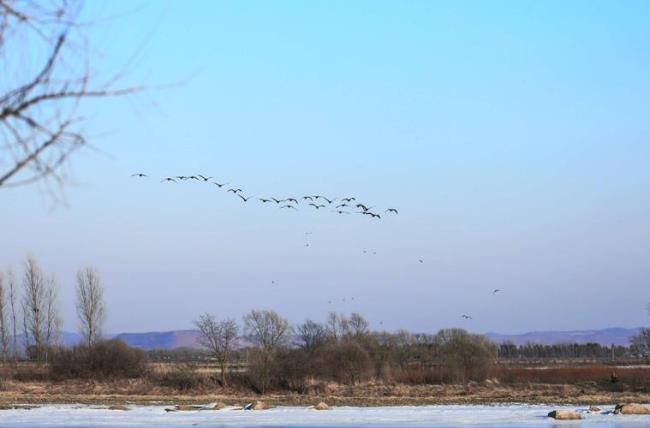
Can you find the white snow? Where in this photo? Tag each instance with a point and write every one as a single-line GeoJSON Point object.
{"type": "Point", "coordinates": [422, 416]}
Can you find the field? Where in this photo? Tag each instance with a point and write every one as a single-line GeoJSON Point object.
{"type": "Point", "coordinates": [570, 385]}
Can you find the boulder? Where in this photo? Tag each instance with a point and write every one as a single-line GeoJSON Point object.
{"type": "Point", "coordinates": [118, 407]}
{"type": "Point", "coordinates": [631, 409]}
{"type": "Point", "coordinates": [321, 406]}
{"type": "Point", "coordinates": [564, 415]}
{"type": "Point", "coordinates": [593, 409]}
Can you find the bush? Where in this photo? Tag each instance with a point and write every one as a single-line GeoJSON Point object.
{"type": "Point", "coordinates": [466, 356]}
{"type": "Point", "coordinates": [107, 359]}
{"type": "Point", "coordinates": [182, 377]}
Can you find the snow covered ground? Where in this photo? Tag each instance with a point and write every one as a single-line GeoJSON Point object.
{"type": "Point", "coordinates": [424, 416]}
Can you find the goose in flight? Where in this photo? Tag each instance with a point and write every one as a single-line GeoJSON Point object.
{"type": "Point", "coordinates": [235, 191]}
{"type": "Point", "coordinates": [243, 198]}
{"type": "Point", "coordinates": [288, 206]}
{"type": "Point", "coordinates": [342, 205]}
{"type": "Point", "coordinates": [311, 198]}
{"type": "Point", "coordinates": [496, 290]}
{"type": "Point", "coordinates": [421, 261]}
{"type": "Point", "coordinates": [193, 177]}
{"type": "Point", "coordinates": [265, 200]}
{"type": "Point", "coordinates": [467, 317]}
{"type": "Point", "coordinates": [363, 207]}
{"type": "Point", "coordinates": [291, 200]}
{"type": "Point", "coordinates": [168, 179]}
{"type": "Point", "coordinates": [341, 212]}
{"type": "Point", "coordinates": [348, 199]}
{"type": "Point", "coordinates": [182, 177]}
{"type": "Point", "coordinates": [277, 201]}
{"type": "Point", "coordinates": [219, 185]}
{"type": "Point", "coordinates": [329, 201]}
{"type": "Point", "coordinates": [392, 210]}
{"type": "Point", "coordinates": [139, 175]}
{"type": "Point", "coordinates": [317, 206]}
{"type": "Point", "coordinates": [204, 178]}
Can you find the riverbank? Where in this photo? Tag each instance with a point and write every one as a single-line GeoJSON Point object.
{"type": "Point", "coordinates": [368, 394]}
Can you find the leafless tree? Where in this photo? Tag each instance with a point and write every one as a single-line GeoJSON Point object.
{"type": "Point", "coordinates": [640, 343]}
{"type": "Point", "coordinates": [270, 332]}
{"type": "Point", "coordinates": [218, 337]}
{"type": "Point", "coordinates": [266, 328]}
{"type": "Point", "coordinates": [357, 324]}
{"type": "Point", "coordinates": [90, 305]}
{"type": "Point", "coordinates": [4, 334]}
{"type": "Point", "coordinates": [45, 77]}
{"type": "Point", "coordinates": [40, 318]}
{"type": "Point", "coordinates": [11, 280]}
{"type": "Point", "coordinates": [52, 319]}
{"type": "Point", "coordinates": [312, 335]}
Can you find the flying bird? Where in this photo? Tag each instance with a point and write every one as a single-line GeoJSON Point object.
{"type": "Point", "coordinates": [277, 201]}
{"type": "Point", "coordinates": [311, 198]}
{"type": "Point", "coordinates": [421, 261]}
{"type": "Point", "coordinates": [496, 290]}
{"type": "Point", "coordinates": [234, 190]}
{"type": "Point", "coordinates": [348, 199]}
{"type": "Point", "coordinates": [291, 200]}
{"type": "Point", "coordinates": [243, 198]}
{"type": "Point", "coordinates": [392, 210]}
{"type": "Point", "coordinates": [342, 205]}
{"type": "Point", "coordinates": [204, 178]}
{"type": "Point", "coordinates": [168, 179]}
{"type": "Point", "coordinates": [288, 206]}
{"type": "Point", "coordinates": [182, 177]}
{"type": "Point", "coordinates": [317, 206]}
{"type": "Point", "coordinates": [140, 175]}
{"type": "Point", "coordinates": [467, 317]}
{"type": "Point", "coordinates": [329, 201]}
{"type": "Point", "coordinates": [362, 206]}
{"type": "Point", "coordinates": [193, 177]}
{"type": "Point", "coordinates": [220, 185]}
{"type": "Point", "coordinates": [265, 200]}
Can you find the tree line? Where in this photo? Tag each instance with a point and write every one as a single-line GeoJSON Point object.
{"type": "Point", "coordinates": [29, 311]}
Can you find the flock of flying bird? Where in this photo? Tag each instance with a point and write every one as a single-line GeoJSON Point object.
{"type": "Point", "coordinates": [345, 205]}
{"type": "Point", "coordinates": [348, 205]}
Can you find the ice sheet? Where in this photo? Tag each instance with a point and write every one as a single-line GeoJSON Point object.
{"type": "Point", "coordinates": [421, 416]}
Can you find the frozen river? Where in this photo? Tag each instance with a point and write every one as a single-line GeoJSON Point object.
{"type": "Point", "coordinates": [423, 416]}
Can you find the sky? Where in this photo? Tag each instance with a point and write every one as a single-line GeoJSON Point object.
{"type": "Point", "coordinates": [512, 136]}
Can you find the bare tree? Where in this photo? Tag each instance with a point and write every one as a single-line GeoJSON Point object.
{"type": "Point", "coordinates": [270, 332]}
{"type": "Point", "coordinates": [312, 335]}
{"type": "Point", "coordinates": [267, 329]}
{"type": "Point", "coordinates": [640, 343]}
{"type": "Point", "coordinates": [218, 337]}
{"type": "Point", "coordinates": [357, 324]}
{"type": "Point", "coordinates": [45, 78]}
{"type": "Point", "coordinates": [11, 280]}
{"type": "Point", "coordinates": [4, 335]}
{"type": "Point", "coordinates": [90, 305]}
{"type": "Point", "coordinates": [40, 318]}
{"type": "Point", "coordinates": [52, 318]}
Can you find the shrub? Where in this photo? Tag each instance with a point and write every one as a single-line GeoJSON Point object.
{"type": "Point", "coordinates": [105, 359]}
{"type": "Point", "coordinates": [182, 377]}
{"type": "Point", "coordinates": [466, 356]}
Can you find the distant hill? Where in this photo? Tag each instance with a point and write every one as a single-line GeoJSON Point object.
{"type": "Point", "coordinates": [162, 340]}
{"type": "Point", "coordinates": [606, 336]}
{"type": "Point", "coordinates": [189, 338]}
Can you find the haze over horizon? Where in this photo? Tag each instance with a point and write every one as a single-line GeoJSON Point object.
{"type": "Point", "coordinates": [515, 147]}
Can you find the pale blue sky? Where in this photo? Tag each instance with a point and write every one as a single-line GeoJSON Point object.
{"type": "Point", "coordinates": [513, 137]}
